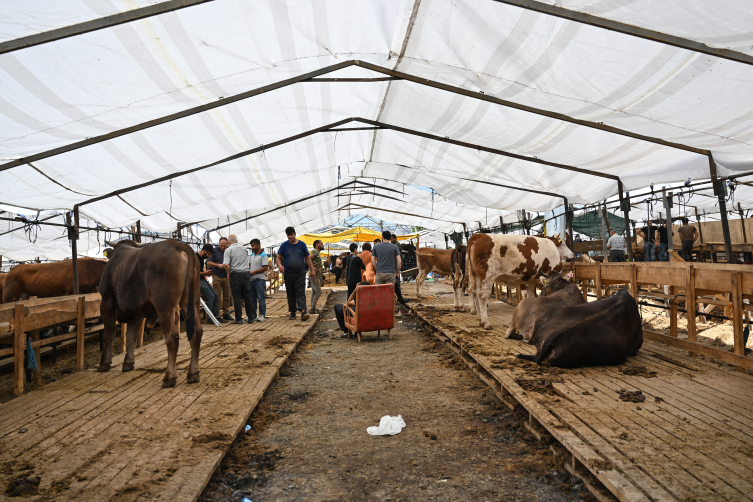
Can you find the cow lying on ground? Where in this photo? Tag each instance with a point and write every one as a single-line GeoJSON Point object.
{"type": "Point", "coordinates": [457, 263]}
{"type": "Point", "coordinates": [45, 280]}
{"type": "Point", "coordinates": [598, 333]}
{"type": "Point", "coordinates": [557, 291]}
{"type": "Point", "coordinates": [143, 281]}
{"type": "Point", "coordinates": [516, 259]}
{"type": "Point", "coordinates": [432, 260]}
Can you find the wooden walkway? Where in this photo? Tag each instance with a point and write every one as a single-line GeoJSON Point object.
{"type": "Point", "coordinates": [121, 436]}
{"type": "Point", "coordinates": [690, 440]}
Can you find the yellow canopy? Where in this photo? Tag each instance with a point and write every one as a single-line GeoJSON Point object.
{"type": "Point", "coordinates": [355, 234]}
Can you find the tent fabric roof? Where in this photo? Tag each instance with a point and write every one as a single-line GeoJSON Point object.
{"type": "Point", "coordinates": [65, 91]}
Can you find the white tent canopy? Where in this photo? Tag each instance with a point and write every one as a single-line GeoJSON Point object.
{"type": "Point", "coordinates": [97, 83]}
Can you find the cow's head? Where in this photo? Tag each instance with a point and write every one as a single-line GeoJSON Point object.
{"type": "Point", "coordinates": [554, 281]}
{"type": "Point", "coordinates": [562, 248]}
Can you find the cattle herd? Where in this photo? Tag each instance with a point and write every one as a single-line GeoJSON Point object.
{"type": "Point", "coordinates": [160, 282]}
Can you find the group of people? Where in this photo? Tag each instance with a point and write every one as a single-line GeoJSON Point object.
{"type": "Point", "coordinates": [237, 274]}
{"type": "Point", "coordinates": [652, 234]}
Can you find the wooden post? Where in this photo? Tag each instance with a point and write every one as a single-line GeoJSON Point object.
{"type": "Point", "coordinates": [19, 340]}
{"type": "Point", "coordinates": [177, 233]}
{"type": "Point", "coordinates": [634, 281]}
{"type": "Point", "coordinates": [140, 340]}
{"type": "Point", "coordinates": [737, 312]}
{"type": "Point", "coordinates": [690, 304]}
{"type": "Point", "coordinates": [123, 329]}
{"type": "Point", "coordinates": [698, 220]}
{"type": "Point", "coordinates": [598, 281]}
{"type": "Point", "coordinates": [673, 312]}
{"type": "Point", "coordinates": [138, 231]}
{"type": "Point", "coordinates": [80, 326]}
{"type": "Point", "coordinates": [36, 375]}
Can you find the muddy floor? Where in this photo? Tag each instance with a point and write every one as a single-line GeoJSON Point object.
{"type": "Point", "coordinates": [308, 437]}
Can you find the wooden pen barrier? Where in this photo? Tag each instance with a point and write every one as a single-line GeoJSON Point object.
{"type": "Point", "coordinates": [687, 283]}
{"type": "Point", "coordinates": [18, 320]}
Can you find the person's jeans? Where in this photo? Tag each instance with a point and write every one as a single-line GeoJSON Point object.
{"type": "Point", "coordinates": [648, 250]}
{"type": "Point", "coordinates": [617, 255]}
{"type": "Point", "coordinates": [351, 288]}
{"type": "Point", "coordinates": [338, 272]}
{"type": "Point", "coordinates": [340, 316]}
{"type": "Point", "coordinates": [213, 301]}
{"type": "Point", "coordinates": [240, 285]}
{"type": "Point", "coordinates": [258, 288]}
{"type": "Point", "coordinates": [663, 251]}
{"type": "Point", "coordinates": [295, 287]}
{"type": "Point", "coordinates": [316, 290]}
{"type": "Point", "coordinates": [687, 250]}
{"type": "Point", "coordinates": [221, 286]}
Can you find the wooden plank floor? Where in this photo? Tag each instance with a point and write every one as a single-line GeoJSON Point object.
{"type": "Point", "coordinates": [121, 436]}
{"type": "Point", "coordinates": [691, 439]}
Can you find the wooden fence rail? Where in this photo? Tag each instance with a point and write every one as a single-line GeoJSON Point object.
{"type": "Point", "coordinates": [688, 283]}
{"type": "Point", "coordinates": [23, 319]}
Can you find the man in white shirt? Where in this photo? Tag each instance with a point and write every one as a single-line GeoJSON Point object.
{"type": "Point", "coordinates": [235, 262]}
{"type": "Point", "coordinates": [616, 246]}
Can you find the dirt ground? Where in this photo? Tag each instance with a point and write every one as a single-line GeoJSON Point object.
{"type": "Point", "coordinates": [308, 437]}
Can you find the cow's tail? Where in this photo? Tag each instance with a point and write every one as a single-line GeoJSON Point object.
{"type": "Point", "coordinates": [527, 357]}
{"type": "Point", "coordinates": [191, 278]}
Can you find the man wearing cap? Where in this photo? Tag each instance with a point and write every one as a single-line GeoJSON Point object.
{"type": "Point", "coordinates": [206, 289]}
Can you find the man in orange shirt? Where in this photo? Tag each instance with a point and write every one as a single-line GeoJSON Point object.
{"type": "Point", "coordinates": [367, 275]}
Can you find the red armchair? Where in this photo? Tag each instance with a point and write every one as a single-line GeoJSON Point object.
{"type": "Point", "coordinates": [374, 310]}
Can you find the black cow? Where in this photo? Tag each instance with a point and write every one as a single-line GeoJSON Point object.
{"type": "Point", "coordinates": [599, 333]}
{"type": "Point", "coordinates": [146, 281]}
{"type": "Point", "coordinates": [558, 291]}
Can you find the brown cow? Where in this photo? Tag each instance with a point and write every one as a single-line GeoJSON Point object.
{"type": "Point", "coordinates": [45, 280]}
{"type": "Point", "coordinates": [2, 283]}
{"type": "Point", "coordinates": [559, 291]}
{"type": "Point", "coordinates": [516, 259]}
{"type": "Point", "coordinates": [431, 260]}
{"type": "Point", "coordinates": [598, 333]}
{"type": "Point", "coordinates": [457, 263]}
{"type": "Point", "coordinates": [143, 281]}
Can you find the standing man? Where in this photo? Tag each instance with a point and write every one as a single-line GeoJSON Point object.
{"type": "Point", "coordinates": [355, 267]}
{"type": "Point", "coordinates": [386, 259]}
{"type": "Point", "coordinates": [204, 286]}
{"type": "Point", "coordinates": [316, 281]}
{"type": "Point", "coordinates": [220, 281]}
{"type": "Point", "coordinates": [235, 263]}
{"type": "Point", "coordinates": [649, 240]}
{"type": "Point", "coordinates": [661, 233]}
{"type": "Point", "coordinates": [616, 246]}
{"type": "Point", "coordinates": [688, 235]}
{"type": "Point", "coordinates": [398, 293]}
{"type": "Point", "coordinates": [297, 257]}
{"type": "Point", "coordinates": [259, 264]}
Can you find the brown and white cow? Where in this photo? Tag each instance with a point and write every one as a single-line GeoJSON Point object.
{"type": "Point", "coordinates": [517, 259]}
{"type": "Point", "coordinates": [431, 260]}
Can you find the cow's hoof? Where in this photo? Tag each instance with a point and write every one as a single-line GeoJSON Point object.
{"type": "Point", "coordinates": [168, 382]}
{"type": "Point", "coordinates": [128, 367]}
{"type": "Point", "coordinates": [193, 378]}
{"type": "Point", "coordinates": [481, 324]}
{"type": "Point", "coordinates": [103, 367]}
{"type": "Point", "coordinates": [487, 327]}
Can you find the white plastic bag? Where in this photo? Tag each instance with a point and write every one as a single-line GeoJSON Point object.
{"type": "Point", "coordinates": [388, 426]}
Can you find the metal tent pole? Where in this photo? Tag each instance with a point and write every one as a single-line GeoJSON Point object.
{"type": "Point", "coordinates": [604, 236]}
{"type": "Point", "coordinates": [73, 237]}
{"type": "Point", "coordinates": [625, 203]}
{"type": "Point", "coordinates": [668, 206]}
{"type": "Point", "coordinates": [719, 192]}
{"type": "Point", "coordinates": [742, 222]}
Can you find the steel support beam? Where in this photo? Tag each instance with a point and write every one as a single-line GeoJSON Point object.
{"type": "Point", "coordinates": [628, 29]}
{"type": "Point", "coordinates": [96, 24]}
{"type": "Point", "coordinates": [719, 192]}
{"type": "Point", "coordinates": [626, 214]}
{"type": "Point", "coordinates": [330, 69]}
